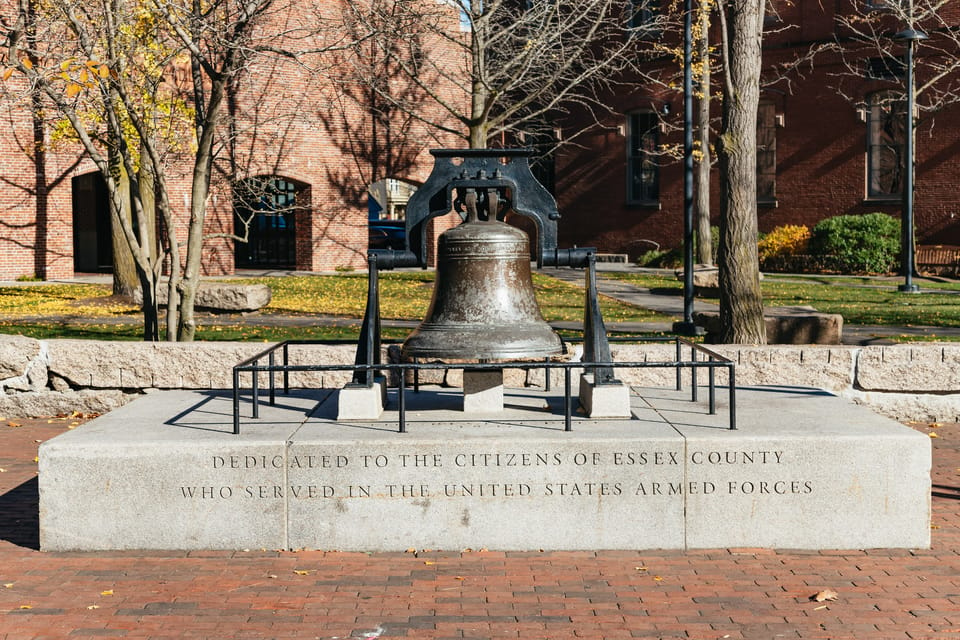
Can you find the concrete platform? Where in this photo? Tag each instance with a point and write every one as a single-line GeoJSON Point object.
{"type": "Point", "coordinates": [804, 470]}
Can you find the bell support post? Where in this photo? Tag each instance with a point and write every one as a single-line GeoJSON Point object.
{"type": "Point", "coordinates": [368, 347]}
{"type": "Point", "coordinates": [596, 347]}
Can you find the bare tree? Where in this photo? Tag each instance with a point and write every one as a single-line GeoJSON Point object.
{"type": "Point", "coordinates": [870, 46]}
{"type": "Point", "coordinates": [741, 302]}
{"type": "Point", "coordinates": [521, 65]}
{"type": "Point", "coordinates": [144, 86]}
{"type": "Point", "coordinates": [387, 139]}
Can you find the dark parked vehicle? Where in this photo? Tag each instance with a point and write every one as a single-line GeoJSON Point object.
{"type": "Point", "coordinates": [388, 234]}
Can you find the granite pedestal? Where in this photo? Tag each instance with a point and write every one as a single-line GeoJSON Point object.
{"type": "Point", "coordinates": [804, 470]}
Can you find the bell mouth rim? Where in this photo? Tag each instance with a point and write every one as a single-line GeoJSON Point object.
{"type": "Point", "coordinates": [472, 358]}
{"type": "Point", "coordinates": [536, 344]}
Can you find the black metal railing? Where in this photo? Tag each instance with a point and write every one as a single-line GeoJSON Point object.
{"type": "Point", "coordinates": [700, 358]}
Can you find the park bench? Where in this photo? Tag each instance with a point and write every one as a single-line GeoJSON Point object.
{"type": "Point", "coordinates": [941, 260]}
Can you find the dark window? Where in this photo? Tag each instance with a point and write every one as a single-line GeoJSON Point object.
{"type": "Point", "coordinates": [885, 142]}
{"type": "Point", "coordinates": [268, 205]}
{"type": "Point", "coordinates": [642, 172]}
{"type": "Point", "coordinates": [643, 16]}
{"type": "Point", "coordinates": [92, 242]}
{"type": "Point", "coordinates": [766, 152]}
{"type": "Point", "coordinates": [772, 12]}
{"type": "Point", "coordinates": [885, 68]}
{"type": "Point", "coordinates": [883, 5]}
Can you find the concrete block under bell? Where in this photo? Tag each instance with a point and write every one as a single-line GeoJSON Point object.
{"type": "Point", "coordinates": [482, 390]}
{"type": "Point", "coordinates": [604, 400]}
{"type": "Point", "coordinates": [360, 402]}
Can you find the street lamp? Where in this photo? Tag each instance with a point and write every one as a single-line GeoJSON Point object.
{"type": "Point", "coordinates": [911, 37]}
{"type": "Point", "coordinates": [687, 327]}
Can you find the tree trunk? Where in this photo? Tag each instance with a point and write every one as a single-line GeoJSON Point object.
{"type": "Point", "coordinates": [741, 302]}
{"type": "Point", "coordinates": [702, 184]}
{"type": "Point", "coordinates": [125, 279]}
{"type": "Point", "coordinates": [151, 247]}
{"type": "Point", "coordinates": [151, 306]}
{"type": "Point", "coordinates": [478, 136]}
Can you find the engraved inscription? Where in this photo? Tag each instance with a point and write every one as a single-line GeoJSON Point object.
{"type": "Point", "coordinates": [626, 474]}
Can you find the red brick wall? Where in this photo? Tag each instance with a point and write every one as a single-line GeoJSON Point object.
{"type": "Point", "coordinates": [281, 133]}
{"type": "Point", "coordinates": [821, 157]}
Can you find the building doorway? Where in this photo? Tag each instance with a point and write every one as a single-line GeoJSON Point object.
{"type": "Point", "coordinates": [92, 245]}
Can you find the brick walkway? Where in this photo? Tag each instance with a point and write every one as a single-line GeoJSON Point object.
{"type": "Point", "coordinates": [723, 593]}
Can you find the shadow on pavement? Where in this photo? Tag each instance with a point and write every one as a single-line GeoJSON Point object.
{"type": "Point", "coordinates": [20, 515]}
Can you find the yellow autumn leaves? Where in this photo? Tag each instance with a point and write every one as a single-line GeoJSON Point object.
{"type": "Point", "coordinates": [402, 296]}
{"type": "Point", "coordinates": [61, 300]}
{"type": "Point", "coordinates": [80, 76]}
{"type": "Point", "coordinates": [76, 75]}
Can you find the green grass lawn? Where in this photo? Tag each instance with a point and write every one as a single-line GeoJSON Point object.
{"type": "Point", "coordinates": [864, 301]}
{"type": "Point", "coordinates": [89, 311]}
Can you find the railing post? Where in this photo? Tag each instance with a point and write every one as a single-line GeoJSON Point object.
{"type": "Point", "coordinates": [272, 381]}
{"type": "Point", "coordinates": [713, 388]}
{"type": "Point", "coordinates": [678, 368]}
{"type": "Point", "coordinates": [255, 389]}
{"type": "Point", "coordinates": [733, 398]}
{"type": "Point", "coordinates": [693, 373]}
{"type": "Point", "coordinates": [402, 399]}
{"type": "Point", "coordinates": [236, 402]}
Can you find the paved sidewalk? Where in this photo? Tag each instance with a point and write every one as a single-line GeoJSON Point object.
{"type": "Point", "coordinates": [713, 594]}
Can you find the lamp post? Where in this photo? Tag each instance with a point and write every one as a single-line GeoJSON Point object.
{"type": "Point", "coordinates": [687, 327]}
{"type": "Point", "coordinates": [911, 37]}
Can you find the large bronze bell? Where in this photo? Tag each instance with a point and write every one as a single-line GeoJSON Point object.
{"type": "Point", "coordinates": [483, 304]}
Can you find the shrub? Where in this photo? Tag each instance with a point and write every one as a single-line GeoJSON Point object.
{"type": "Point", "coordinates": [867, 243]}
{"type": "Point", "coordinates": [788, 240]}
{"type": "Point", "coordinates": [660, 259]}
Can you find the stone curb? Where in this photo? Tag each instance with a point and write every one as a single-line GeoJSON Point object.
{"type": "Point", "coordinates": [41, 378]}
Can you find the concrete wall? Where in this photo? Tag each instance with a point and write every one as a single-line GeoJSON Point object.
{"type": "Point", "coordinates": [51, 377]}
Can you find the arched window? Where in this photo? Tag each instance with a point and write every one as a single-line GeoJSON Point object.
{"type": "Point", "coordinates": [264, 213]}
{"type": "Point", "coordinates": [643, 176]}
{"type": "Point", "coordinates": [885, 145]}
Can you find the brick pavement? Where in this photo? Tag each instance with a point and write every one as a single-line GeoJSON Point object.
{"type": "Point", "coordinates": [722, 593]}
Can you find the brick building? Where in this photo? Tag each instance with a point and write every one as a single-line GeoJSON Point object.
{"type": "Point", "coordinates": [299, 137]}
{"type": "Point", "coordinates": [317, 153]}
{"type": "Point", "coordinates": [822, 153]}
